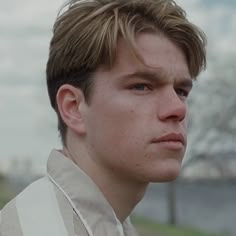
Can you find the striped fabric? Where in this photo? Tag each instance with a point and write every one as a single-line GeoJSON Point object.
{"type": "Point", "coordinates": [64, 203]}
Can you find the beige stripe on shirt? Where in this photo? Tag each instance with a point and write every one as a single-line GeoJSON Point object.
{"type": "Point", "coordinates": [79, 228]}
{"type": "Point", "coordinates": [66, 211]}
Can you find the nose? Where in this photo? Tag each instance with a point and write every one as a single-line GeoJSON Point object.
{"type": "Point", "coordinates": [172, 107]}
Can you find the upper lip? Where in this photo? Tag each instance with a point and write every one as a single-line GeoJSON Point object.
{"type": "Point", "coordinates": [171, 137]}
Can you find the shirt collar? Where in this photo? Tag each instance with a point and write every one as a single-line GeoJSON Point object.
{"type": "Point", "coordinates": [88, 201]}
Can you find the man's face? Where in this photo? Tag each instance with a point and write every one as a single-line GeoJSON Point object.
{"type": "Point", "coordinates": [136, 121]}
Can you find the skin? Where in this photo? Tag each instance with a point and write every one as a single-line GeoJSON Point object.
{"type": "Point", "coordinates": [114, 138]}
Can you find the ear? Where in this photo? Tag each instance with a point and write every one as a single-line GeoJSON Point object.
{"type": "Point", "coordinates": [70, 103]}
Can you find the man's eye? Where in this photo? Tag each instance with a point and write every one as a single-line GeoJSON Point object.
{"type": "Point", "coordinates": [140, 87]}
{"type": "Point", "coordinates": [182, 93]}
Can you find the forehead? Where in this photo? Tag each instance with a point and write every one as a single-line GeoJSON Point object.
{"type": "Point", "coordinates": [157, 53]}
{"type": "Point", "coordinates": [161, 61]}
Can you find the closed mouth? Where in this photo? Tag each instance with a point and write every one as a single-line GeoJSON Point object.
{"type": "Point", "coordinates": [171, 138]}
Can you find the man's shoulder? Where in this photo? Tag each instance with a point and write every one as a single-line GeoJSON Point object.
{"type": "Point", "coordinates": [30, 189]}
{"type": "Point", "coordinates": [38, 208]}
{"type": "Point", "coordinates": [31, 195]}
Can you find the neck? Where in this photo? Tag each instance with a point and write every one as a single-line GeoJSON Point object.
{"type": "Point", "coordinates": [122, 195]}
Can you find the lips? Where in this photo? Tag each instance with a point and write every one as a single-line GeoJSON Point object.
{"type": "Point", "coordinates": [171, 138]}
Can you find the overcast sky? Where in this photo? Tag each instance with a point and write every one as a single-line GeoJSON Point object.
{"type": "Point", "coordinates": [28, 125]}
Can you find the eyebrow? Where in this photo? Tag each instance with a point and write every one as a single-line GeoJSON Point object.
{"type": "Point", "coordinates": [160, 78]}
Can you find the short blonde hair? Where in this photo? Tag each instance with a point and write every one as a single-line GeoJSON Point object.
{"type": "Point", "coordinates": [86, 33]}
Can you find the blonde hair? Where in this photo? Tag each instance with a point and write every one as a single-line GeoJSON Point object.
{"type": "Point", "coordinates": [86, 33]}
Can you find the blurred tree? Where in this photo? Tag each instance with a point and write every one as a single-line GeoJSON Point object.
{"type": "Point", "coordinates": [213, 113]}
{"type": "Point", "coordinates": [212, 124]}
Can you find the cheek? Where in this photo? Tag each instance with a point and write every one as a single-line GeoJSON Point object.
{"type": "Point", "coordinates": [117, 136]}
{"type": "Point", "coordinates": [122, 130]}
{"type": "Point", "coordinates": [117, 127]}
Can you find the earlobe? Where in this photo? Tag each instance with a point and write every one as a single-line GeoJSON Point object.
{"type": "Point", "coordinates": [70, 101]}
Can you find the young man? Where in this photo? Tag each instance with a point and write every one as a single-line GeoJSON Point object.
{"type": "Point", "coordinates": [118, 75]}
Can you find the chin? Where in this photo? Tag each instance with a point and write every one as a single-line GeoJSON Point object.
{"type": "Point", "coordinates": [168, 178]}
{"type": "Point", "coordinates": [166, 174]}
{"type": "Point", "coordinates": [164, 178]}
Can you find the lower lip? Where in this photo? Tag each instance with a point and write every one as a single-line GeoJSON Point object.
{"type": "Point", "coordinates": [172, 145]}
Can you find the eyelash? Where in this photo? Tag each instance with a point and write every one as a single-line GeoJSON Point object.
{"type": "Point", "coordinates": [138, 86]}
{"type": "Point", "coordinates": [143, 87]}
{"type": "Point", "coordinates": [182, 93]}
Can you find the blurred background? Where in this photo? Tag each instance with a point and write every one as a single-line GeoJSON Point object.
{"type": "Point", "coordinates": [204, 197]}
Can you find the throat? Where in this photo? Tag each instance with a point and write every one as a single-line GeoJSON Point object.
{"type": "Point", "coordinates": [123, 198]}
